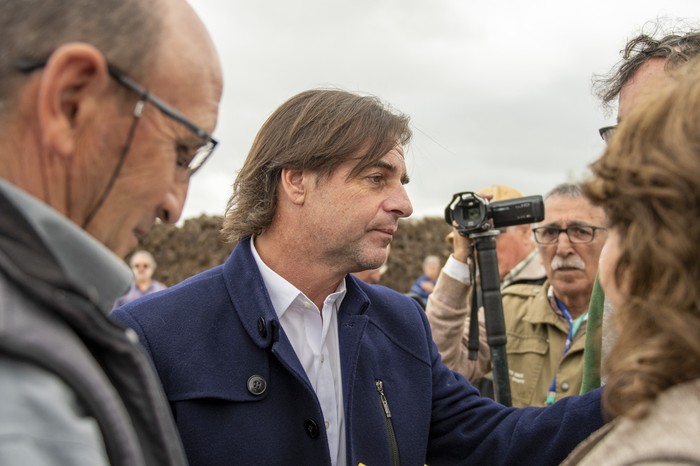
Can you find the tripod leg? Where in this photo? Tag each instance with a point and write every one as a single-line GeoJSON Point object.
{"type": "Point", "coordinates": [493, 313]}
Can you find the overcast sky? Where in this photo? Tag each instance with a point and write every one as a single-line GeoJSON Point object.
{"type": "Point", "coordinates": [498, 92]}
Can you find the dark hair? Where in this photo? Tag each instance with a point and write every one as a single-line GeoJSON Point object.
{"type": "Point", "coordinates": [316, 130]}
{"type": "Point", "coordinates": [675, 47]}
{"type": "Point", "coordinates": [647, 182]}
{"type": "Point", "coordinates": [127, 32]}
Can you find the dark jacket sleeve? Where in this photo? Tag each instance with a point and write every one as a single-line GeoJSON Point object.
{"type": "Point", "coordinates": [468, 428]}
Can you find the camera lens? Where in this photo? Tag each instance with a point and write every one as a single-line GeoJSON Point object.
{"type": "Point", "coordinates": [474, 214]}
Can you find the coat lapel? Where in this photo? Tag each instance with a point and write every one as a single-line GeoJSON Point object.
{"type": "Point", "coordinates": [252, 303]}
{"type": "Point", "coordinates": [352, 321]}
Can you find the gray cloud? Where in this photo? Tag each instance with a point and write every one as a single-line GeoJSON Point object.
{"type": "Point", "coordinates": [498, 92]}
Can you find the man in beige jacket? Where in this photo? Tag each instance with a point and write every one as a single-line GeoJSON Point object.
{"type": "Point", "coordinates": [518, 262]}
{"type": "Point", "coordinates": [545, 323]}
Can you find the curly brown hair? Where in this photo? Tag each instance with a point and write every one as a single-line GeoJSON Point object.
{"type": "Point", "coordinates": [647, 182]}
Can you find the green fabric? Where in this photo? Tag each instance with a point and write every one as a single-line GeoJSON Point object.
{"type": "Point", "coordinates": [594, 337]}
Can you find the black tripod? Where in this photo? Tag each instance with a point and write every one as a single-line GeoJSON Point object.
{"type": "Point", "coordinates": [489, 295]}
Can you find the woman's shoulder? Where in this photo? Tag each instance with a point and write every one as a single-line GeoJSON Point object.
{"type": "Point", "coordinates": [668, 434]}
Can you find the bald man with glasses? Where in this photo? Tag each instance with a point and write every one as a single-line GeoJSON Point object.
{"type": "Point", "coordinates": [107, 107]}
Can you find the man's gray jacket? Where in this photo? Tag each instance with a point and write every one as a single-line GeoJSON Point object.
{"type": "Point", "coordinates": [75, 388]}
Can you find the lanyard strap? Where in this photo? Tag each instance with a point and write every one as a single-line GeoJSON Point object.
{"type": "Point", "coordinates": [574, 326]}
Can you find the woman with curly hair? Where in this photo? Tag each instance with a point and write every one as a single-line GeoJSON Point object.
{"type": "Point", "coordinates": [648, 182]}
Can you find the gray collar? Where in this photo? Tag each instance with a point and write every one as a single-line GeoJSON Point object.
{"type": "Point", "coordinates": [95, 271]}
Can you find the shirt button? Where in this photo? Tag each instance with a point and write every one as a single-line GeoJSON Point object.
{"type": "Point", "coordinates": [328, 425]}
{"type": "Point", "coordinates": [565, 387]}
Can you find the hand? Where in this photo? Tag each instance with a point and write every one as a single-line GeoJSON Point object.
{"type": "Point", "coordinates": [461, 246]}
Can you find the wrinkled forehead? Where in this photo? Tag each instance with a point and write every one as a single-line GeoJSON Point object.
{"type": "Point", "coordinates": [563, 210]}
{"type": "Point", "coordinates": [393, 160]}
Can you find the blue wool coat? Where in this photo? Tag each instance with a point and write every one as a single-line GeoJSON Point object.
{"type": "Point", "coordinates": [240, 396]}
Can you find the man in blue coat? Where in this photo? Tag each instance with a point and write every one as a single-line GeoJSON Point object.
{"type": "Point", "coordinates": [280, 356]}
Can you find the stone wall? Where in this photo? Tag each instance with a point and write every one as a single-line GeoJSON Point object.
{"type": "Point", "coordinates": [196, 246]}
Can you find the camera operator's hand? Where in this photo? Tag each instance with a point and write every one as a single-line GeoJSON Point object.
{"type": "Point", "coordinates": [461, 246]}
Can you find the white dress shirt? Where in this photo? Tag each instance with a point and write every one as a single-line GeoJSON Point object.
{"type": "Point", "coordinates": [314, 337]}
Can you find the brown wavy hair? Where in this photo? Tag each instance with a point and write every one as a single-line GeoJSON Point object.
{"type": "Point", "coordinates": [648, 182]}
{"type": "Point", "coordinates": [316, 130]}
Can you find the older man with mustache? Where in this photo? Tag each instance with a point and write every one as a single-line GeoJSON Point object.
{"type": "Point", "coordinates": [545, 323]}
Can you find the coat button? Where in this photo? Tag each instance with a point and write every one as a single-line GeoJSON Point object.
{"type": "Point", "coordinates": [311, 428]}
{"type": "Point", "coordinates": [257, 385]}
{"type": "Point", "coordinates": [262, 328]}
{"type": "Point", "coordinates": [564, 387]}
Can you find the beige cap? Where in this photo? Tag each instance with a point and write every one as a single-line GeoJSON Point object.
{"type": "Point", "coordinates": [500, 192]}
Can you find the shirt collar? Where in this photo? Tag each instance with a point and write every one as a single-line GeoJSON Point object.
{"type": "Point", "coordinates": [553, 301]}
{"type": "Point", "coordinates": [282, 293]}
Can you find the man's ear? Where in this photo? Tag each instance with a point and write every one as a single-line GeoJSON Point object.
{"type": "Point", "coordinates": [293, 184]}
{"type": "Point", "coordinates": [71, 87]}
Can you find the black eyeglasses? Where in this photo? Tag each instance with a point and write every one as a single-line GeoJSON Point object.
{"type": "Point", "coordinates": [606, 132]}
{"type": "Point", "coordinates": [577, 234]}
{"type": "Point", "coordinates": [189, 159]}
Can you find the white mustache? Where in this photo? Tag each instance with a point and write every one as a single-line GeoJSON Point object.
{"type": "Point", "coordinates": [571, 262]}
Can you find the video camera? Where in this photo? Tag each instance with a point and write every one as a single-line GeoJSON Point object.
{"type": "Point", "coordinates": [471, 213]}
{"type": "Point", "coordinates": [474, 216]}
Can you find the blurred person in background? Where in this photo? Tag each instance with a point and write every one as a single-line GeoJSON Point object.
{"type": "Point", "coordinates": [143, 265]}
{"type": "Point", "coordinates": [424, 284]}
